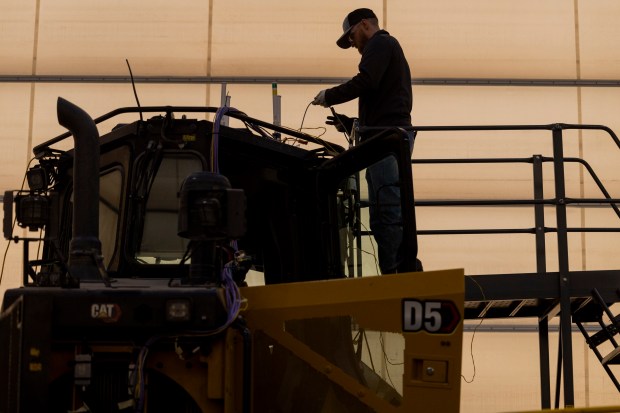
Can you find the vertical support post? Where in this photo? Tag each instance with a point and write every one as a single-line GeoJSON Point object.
{"type": "Point", "coordinates": [358, 224]}
{"type": "Point", "coordinates": [545, 373]}
{"type": "Point", "coordinates": [224, 101]}
{"type": "Point", "coordinates": [277, 109]}
{"type": "Point", "coordinates": [223, 94]}
{"type": "Point", "coordinates": [541, 270]}
{"type": "Point", "coordinates": [558, 377]}
{"type": "Point", "coordinates": [539, 217]}
{"type": "Point", "coordinates": [564, 280]}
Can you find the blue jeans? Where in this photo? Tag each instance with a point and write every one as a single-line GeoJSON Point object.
{"type": "Point", "coordinates": [386, 222]}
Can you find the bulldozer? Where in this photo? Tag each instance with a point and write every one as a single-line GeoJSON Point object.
{"type": "Point", "coordinates": [138, 298]}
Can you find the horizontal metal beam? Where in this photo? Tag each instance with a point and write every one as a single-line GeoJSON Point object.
{"type": "Point", "coordinates": [490, 287]}
{"type": "Point", "coordinates": [475, 326]}
{"type": "Point", "coordinates": [301, 80]}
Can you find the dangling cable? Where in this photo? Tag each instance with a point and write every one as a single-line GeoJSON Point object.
{"type": "Point", "coordinates": [304, 117]}
{"type": "Point", "coordinates": [471, 343]}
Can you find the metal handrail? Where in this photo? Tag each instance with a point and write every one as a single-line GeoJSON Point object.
{"type": "Point", "coordinates": [41, 149]}
{"type": "Point", "coordinates": [513, 202]}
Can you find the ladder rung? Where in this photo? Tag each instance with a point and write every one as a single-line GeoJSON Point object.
{"type": "Point", "coordinates": [612, 358]}
{"type": "Point", "coordinates": [603, 335]}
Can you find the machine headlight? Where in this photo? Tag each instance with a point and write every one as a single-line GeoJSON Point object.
{"type": "Point", "coordinates": [178, 310]}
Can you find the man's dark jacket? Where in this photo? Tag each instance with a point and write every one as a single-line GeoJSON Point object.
{"type": "Point", "coordinates": [383, 84]}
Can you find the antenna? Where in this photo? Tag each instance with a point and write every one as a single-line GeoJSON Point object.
{"type": "Point", "coordinates": [133, 84]}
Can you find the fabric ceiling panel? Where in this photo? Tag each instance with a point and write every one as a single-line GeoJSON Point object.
{"type": "Point", "coordinates": [601, 106]}
{"type": "Point", "coordinates": [283, 39]}
{"type": "Point", "coordinates": [496, 252]}
{"type": "Point", "coordinates": [14, 110]}
{"type": "Point", "coordinates": [500, 251]}
{"type": "Point", "coordinates": [17, 22]}
{"type": "Point", "coordinates": [599, 38]}
{"type": "Point", "coordinates": [14, 121]}
{"type": "Point", "coordinates": [602, 248]}
{"type": "Point", "coordinates": [256, 101]}
{"type": "Point", "coordinates": [99, 99]}
{"type": "Point", "coordinates": [486, 38]}
{"type": "Point", "coordinates": [79, 37]}
{"type": "Point", "coordinates": [483, 105]}
{"type": "Point", "coordinates": [483, 39]}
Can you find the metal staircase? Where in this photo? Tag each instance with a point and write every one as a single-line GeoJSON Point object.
{"type": "Point", "coordinates": [594, 311]}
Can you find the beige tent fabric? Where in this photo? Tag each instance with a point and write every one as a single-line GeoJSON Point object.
{"type": "Point", "coordinates": [477, 62]}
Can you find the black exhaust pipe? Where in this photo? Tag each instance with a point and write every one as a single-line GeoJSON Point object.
{"type": "Point", "coordinates": [85, 246]}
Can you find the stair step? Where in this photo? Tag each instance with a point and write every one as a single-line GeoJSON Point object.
{"type": "Point", "coordinates": [612, 358]}
{"type": "Point", "coordinates": [603, 335]}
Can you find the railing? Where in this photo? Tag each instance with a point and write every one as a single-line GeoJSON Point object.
{"type": "Point", "coordinates": [560, 202]}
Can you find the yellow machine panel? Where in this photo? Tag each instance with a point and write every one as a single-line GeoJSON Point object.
{"type": "Point", "coordinates": [387, 343]}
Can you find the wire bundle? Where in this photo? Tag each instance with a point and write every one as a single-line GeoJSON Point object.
{"type": "Point", "coordinates": [233, 302]}
{"type": "Point", "coordinates": [232, 295]}
{"type": "Point", "coordinates": [221, 112]}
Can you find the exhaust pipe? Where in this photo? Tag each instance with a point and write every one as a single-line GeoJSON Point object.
{"type": "Point", "coordinates": [85, 246]}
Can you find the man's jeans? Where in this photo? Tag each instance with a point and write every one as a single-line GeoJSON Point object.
{"type": "Point", "coordinates": [386, 222]}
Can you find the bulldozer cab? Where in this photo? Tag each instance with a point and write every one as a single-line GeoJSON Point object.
{"type": "Point", "coordinates": [303, 206]}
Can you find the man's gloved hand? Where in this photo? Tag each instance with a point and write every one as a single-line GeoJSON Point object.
{"type": "Point", "coordinates": [342, 123]}
{"type": "Point", "coordinates": [320, 99]}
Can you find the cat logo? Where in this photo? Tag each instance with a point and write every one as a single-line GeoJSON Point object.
{"type": "Point", "coordinates": [108, 313]}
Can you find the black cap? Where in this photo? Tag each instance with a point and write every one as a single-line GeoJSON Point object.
{"type": "Point", "coordinates": [351, 20]}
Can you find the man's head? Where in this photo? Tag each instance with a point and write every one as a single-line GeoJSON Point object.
{"type": "Point", "coordinates": [358, 27]}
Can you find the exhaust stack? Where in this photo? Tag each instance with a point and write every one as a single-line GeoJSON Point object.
{"type": "Point", "coordinates": [85, 246]}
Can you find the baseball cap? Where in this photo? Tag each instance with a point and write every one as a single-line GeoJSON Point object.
{"type": "Point", "coordinates": [351, 20]}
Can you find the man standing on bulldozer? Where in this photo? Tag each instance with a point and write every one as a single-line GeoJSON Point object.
{"type": "Point", "coordinates": [383, 87]}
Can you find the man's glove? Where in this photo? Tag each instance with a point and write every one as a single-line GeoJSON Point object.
{"type": "Point", "coordinates": [341, 122]}
{"type": "Point", "coordinates": [320, 99]}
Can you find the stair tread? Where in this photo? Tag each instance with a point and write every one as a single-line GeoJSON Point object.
{"type": "Point", "coordinates": [612, 358]}
{"type": "Point", "coordinates": [603, 335]}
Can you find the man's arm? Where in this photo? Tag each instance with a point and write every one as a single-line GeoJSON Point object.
{"type": "Point", "coordinates": [371, 70]}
